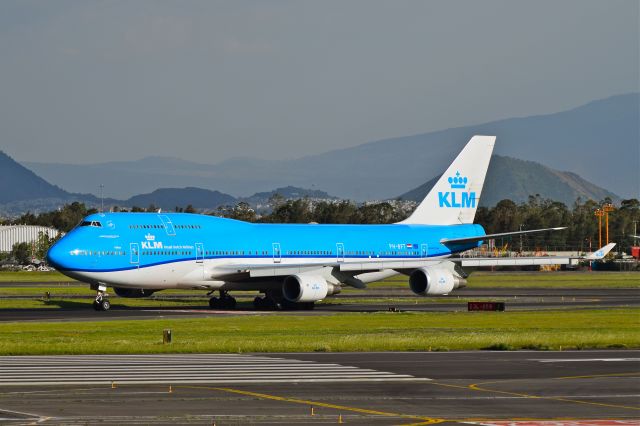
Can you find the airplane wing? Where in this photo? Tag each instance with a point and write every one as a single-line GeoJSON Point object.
{"type": "Point", "coordinates": [448, 241]}
{"type": "Point", "coordinates": [355, 268]}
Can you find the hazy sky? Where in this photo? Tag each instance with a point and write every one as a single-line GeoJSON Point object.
{"type": "Point", "coordinates": [91, 81]}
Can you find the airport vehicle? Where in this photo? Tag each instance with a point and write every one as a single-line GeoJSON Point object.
{"type": "Point", "coordinates": [294, 265]}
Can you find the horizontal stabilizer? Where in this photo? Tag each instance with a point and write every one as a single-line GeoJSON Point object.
{"type": "Point", "coordinates": [449, 241]}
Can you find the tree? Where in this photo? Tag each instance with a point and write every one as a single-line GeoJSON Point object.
{"type": "Point", "coordinates": [42, 244]}
{"type": "Point", "coordinates": [21, 252]}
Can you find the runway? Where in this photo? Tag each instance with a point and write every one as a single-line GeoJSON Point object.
{"type": "Point", "coordinates": [490, 388]}
{"type": "Point", "coordinates": [398, 298]}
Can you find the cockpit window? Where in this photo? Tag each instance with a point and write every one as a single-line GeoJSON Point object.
{"type": "Point", "coordinates": [93, 223]}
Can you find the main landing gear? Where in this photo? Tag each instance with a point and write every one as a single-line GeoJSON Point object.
{"type": "Point", "coordinates": [224, 302]}
{"type": "Point", "coordinates": [101, 303]}
{"type": "Point", "coordinates": [273, 300]}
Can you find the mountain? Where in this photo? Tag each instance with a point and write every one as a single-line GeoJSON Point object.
{"type": "Point", "coordinates": [17, 183]}
{"type": "Point", "coordinates": [599, 141]}
{"type": "Point", "coordinates": [169, 198]}
{"type": "Point", "coordinates": [517, 179]}
{"type": "Point", "coordinates": [288, 192]}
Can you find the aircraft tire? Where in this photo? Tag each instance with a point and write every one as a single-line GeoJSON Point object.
{"type": "Point", "coordinates": [260, 302]}
{"type": "Point", "coordinates": [230, 302]}
{"type": "Point", "coordinates": [214, 303]}
{"type": "Point", "coordinates": [105, 305]}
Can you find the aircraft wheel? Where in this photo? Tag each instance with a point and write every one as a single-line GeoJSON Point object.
{"type": "Point", "coordinates": [96, 305]}
{"type": "Point", "coordinates": [259, 302]}
{"type": "Point", "coordinates": [105, 305]}
{"type": "Point", "coordinates": [214, 303]}
{"type": "Point", "coordinates": [230, 302]}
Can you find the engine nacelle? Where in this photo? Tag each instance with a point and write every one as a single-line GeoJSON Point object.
{"type": "Point", "coordinates": [429, 281]}
{"type": "Point", "coordinates": [133, 292]}
{"type": "Point", "coordinates": [307, 288]}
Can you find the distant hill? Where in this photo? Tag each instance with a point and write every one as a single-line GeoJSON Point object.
{"type": "Point", "coordinates": [170, 198]}
{"type": "Point", "coordinates": [517, 179]}
{"type": "Point", "coordinates": [17, 183]}
{"type": "Point", "coordinates": [599, 141]}
{"type": "Point", "coordinates": [288, 192]}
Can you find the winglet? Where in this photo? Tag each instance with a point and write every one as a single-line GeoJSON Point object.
{"type": "Point", "coordinates": [601, 253]}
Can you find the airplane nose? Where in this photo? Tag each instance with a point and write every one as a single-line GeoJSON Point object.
{"type": "Point", "coordinates": [57, 254]}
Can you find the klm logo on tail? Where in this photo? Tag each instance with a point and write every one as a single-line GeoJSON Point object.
{"type": "Point", "coordinates": [457, 199]}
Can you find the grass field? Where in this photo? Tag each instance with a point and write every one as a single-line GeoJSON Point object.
{"type": "Point", "coordinates": [614, 328]}
{"type": "Point", "coordinates": [478, 279]}
{"type": "Point", "coordinates": [28, 277]}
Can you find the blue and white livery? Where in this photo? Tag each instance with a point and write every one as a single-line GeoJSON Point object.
{"type": "Point", "coordinates": [292, 264]}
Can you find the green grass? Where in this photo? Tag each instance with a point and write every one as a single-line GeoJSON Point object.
{"type": "Point", "coordinates": [31, 277]}
{"type": "Point", "coordinates": [570, 279]}
{"type": "Point", "coordinates": [477, 279]}
{"type": "Point", "coordinates": [339, 332]}
{"type": "Point", "coordinates": [555, 279]}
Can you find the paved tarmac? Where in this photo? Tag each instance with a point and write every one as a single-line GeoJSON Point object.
{"type": "Point", "coordinates": [493, 388]}
{"type": "Point", "coordinates": [399, 298]}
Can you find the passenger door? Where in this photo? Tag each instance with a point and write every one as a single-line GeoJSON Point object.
{"type": "Point", "coordinates": [199, 253]}
{"type": "Point", "coordinates": [168, 225]}
{"type": "Point", "coordinates": [340, 252]}
{"type": "Point", "coordinates": [134, 253]}
{"type": "Point", "coordinates": [277, 254]}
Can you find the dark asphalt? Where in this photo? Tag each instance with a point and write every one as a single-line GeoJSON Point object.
{"type": "Point", "coordinates": [465, 387]}
{"type": "Point", "coordinates": [515, 299]}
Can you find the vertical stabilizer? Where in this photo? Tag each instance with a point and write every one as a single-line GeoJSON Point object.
{"type": "Point", "coordinates": [454, 198]}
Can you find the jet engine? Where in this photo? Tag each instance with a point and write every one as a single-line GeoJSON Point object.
{"type": "Point", "coordinates": [133, 292]}
{"type": "Point", "coordinates": [430, 281]}
{"type": "Point", "coordinates": [307, 288]}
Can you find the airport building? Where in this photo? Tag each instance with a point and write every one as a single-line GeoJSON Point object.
{"type": "Point", "coordinates": [12, 234]}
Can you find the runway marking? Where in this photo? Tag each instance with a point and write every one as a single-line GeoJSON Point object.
{"type": "Point", "coordinates": [595, 376]}
{"type": "Point", "coordinates": [560, 422]}
{"type": "Point", "coordinates": [588, 360]}
{"type": "Point", "coordinates": [205, 311]}
{"type": "Point", "coordinates": [476, 387]}
{"type": "Point", "coordinates": [152, 369]}
{"type": "Point", "coordinates": [424, 420]}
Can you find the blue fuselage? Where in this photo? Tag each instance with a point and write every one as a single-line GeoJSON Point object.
{"type": "Point", "coordinates": [112, 242]}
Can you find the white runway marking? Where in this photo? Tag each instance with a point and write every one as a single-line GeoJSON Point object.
{"type": "Point", "coordinates": [589, 360]}
{"type": "Point", "coordinates": [150, 369]}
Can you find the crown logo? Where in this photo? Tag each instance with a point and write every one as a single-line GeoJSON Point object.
{"type": "Point", "coordinates": [150, 237]}
{"type": "Point", "coordinates": [457, 181]}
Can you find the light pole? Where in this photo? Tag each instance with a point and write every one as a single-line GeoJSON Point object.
{"type": "Point", "coordinates": [101, 199]}
{"type": "Point", "coordinates": [599, 213]}
{"type": "Point", "coordinates": [607, 208]}
{"type": "Point", "coordinates": [520, 240]}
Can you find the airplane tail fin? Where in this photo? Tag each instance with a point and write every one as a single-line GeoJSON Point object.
{"type": "Point", "coordinates": [601, 253]}
{"type": "Point", "coordinates": [454, 198]}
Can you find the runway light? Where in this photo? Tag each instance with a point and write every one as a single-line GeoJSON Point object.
{"type": "Point", "coordinates": [170, 389]}
{"type": "Point", "coordinates": [312, 412]}
{"type": "Point", "coordinates": [166, 336]}
{"type": "Point", "coordinates": [113, 385]}
{"type": "Point", "coordinates": [340, 418]}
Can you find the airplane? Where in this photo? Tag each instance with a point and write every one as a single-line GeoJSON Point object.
{"type": "Point", "coordinates": [293, 265]}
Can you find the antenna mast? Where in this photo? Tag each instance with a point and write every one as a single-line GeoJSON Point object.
{"type": "Point", "coordinates": [101, 198]}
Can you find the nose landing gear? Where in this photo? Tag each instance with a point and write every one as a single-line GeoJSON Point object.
{"type": "Point", "coordinates": [101, 302]}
